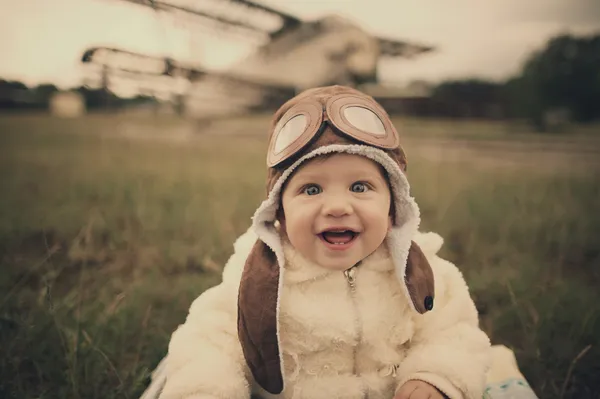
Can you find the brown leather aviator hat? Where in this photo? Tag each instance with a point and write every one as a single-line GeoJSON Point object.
{"type": "Point", "coordinates": [320, 121]}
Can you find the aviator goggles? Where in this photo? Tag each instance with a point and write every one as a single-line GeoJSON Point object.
{"type": "Point", "coordinates": [357, 117]}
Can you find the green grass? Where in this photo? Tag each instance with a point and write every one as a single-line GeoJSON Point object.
{"type": "Point", "coordinates": [106, 237]}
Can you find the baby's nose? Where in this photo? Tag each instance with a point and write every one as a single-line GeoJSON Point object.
{"type": "Point", "coordinates": [337, 206]}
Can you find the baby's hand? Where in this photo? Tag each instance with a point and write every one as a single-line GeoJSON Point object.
{"type": "Point", "coordinates": [415, 389]}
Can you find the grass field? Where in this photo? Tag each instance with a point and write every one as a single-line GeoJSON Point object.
{"type": "Point", "coordinates": [110, 227]}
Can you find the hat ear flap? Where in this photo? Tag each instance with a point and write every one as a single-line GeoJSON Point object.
{"type": "Point", "coordinates": [419, 279]}
{"type": "Point", "coordinates": [257, 317]}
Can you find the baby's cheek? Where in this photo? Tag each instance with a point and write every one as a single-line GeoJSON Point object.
{"type": "Point", "coordinates": [299, 233]}
{"type": "Point", "coordinates": [303, 221]}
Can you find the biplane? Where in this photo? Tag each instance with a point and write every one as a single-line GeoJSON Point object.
{"type": "Point", "coordinates": [290, 54]}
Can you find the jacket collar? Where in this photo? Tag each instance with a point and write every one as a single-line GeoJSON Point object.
{"type": "Point", "coordinates": [298, 269]}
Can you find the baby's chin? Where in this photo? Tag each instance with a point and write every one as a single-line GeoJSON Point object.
{"type": "Point", "coordinates": [335, 265]}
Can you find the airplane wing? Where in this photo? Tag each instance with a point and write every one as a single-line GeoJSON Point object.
{"type": "Point", "coordinates": [209, 93]}
{"type": "Point", "coordinates": [397, 48]}
{"type": "Point", "coordinates": [243, 15]}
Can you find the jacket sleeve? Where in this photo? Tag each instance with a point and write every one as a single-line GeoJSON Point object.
{"type": "Point", "coordinates": [205, 358]}
{"type": "Point", "coordinates": [448, 349]}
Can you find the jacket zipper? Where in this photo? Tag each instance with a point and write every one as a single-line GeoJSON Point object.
{"type": "Point", "coordinates": [350, 275]}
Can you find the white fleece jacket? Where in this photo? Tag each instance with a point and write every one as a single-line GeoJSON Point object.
{"type": "Point", "coordinates": [339, 340]}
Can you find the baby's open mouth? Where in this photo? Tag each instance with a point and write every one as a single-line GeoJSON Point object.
{"type": "Point", "coordinates": [338, 237]}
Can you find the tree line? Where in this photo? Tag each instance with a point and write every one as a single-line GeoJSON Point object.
{"type": "Point", "coordinates": [560, 80]}
{"type": "Point", "coordinates": [16, 95]}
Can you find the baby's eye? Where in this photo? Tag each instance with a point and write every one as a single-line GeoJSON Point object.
{"type": "Point", "coordinates": [359, 187]}
{"type": "Point", "coordinates": [312, 189]}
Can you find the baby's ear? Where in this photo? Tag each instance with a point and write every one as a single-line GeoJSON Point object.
{"type": "Point", "coordinates": [390, 223]}
{"type": "Point", "coordinates": [280, 215]}
{"type": "Point", "coordinates": [392, 213]}
{"type": "Point", "coordinates": [280, 221]}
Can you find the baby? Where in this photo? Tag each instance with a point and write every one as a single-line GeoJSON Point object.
{"type": "Point", "coordinates": [333, 292]}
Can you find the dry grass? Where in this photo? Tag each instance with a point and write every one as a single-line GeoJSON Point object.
{"type": "Point", "coordinates": [110, 227]}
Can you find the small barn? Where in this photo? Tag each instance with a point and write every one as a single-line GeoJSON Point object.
{"type": "Point", "coordinates": [67, 104]}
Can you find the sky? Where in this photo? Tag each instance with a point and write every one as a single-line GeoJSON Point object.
{"type": "Point", "coordinates": [43, 40]}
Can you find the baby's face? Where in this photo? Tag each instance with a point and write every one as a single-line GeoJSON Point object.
{"type": "Point", "coordinates": [336, 210]}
